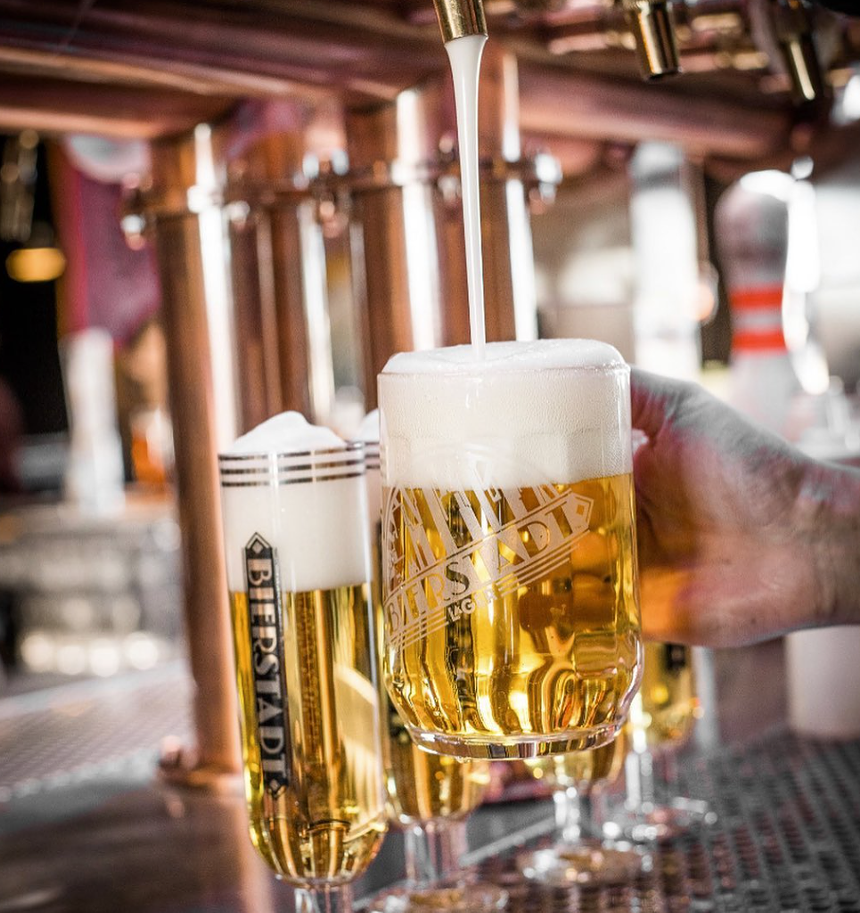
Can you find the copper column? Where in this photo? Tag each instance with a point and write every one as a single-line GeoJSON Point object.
{"type": "Point", "coordinates": [393, 153]}
{"type": "Point", "coordinates": [279, 277]}
{"type": "Point", "coordinates": [185, 213]}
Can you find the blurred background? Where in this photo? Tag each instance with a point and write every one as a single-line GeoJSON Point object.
{"type": "Point", "coordinates": [214, 211]}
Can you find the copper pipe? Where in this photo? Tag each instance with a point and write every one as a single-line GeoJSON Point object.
{"type": "Point", "coordinates": [294, 48]}
{"type": "Point", "coordinates": [256, 324]}
{"type": "Point", "coordinates": [557, 102]}
{"type": "Point", "coordinates": [283, 271]}
{"type": "Point", "coordinates": [393, 151]}
{"type": "Point", "coordinates": [510, 298]}
{"type": "Point", "coordinates": [202, 423]}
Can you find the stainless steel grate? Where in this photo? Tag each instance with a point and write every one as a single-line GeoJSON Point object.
{"type": "Point", "coordinates": [787, 839]}
{"type": "Point", "coordinates": [83, 730]}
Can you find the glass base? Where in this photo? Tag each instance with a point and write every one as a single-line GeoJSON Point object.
{"type": "Point", "coordinates": [652, 822]}
{"type": "Point", "coordinates": [454, 896]}
{"type": "Point", "coordinates": [584, 862]}
{"type": "Point", "coordinates": [513, 747]}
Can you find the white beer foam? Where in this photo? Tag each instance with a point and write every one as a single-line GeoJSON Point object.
{"type": "Point", "coordinates": [368, 433]}
{"type": "Point", "coordinates": [289, 432]}
{"type": "Point", "coordinates": [529, 413]}
{"type": "Point", "coordinates": [318, 526]}
{"type": "Point", "coordinates": [368, 430]}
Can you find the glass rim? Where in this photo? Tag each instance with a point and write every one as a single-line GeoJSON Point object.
{"type": "Point", "coordinates": [327, 464]}
{"type": "Point", "coordinates": [605, 369]}
{"type": "Point", "coordinates": [269, 455]}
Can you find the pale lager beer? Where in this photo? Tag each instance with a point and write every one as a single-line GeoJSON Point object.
{"type": "Point", "coordinates": [298, 568]}
{"type": "Point", "coordinates": [424, 786]}
{"type": "Point", "coordinates": [421, 786]}
{"type": "Point", "coordinates": [582, 769]}
{"type": "Point", "coordinates": [667, 706]}
{"type": "Point", "coordinates": [511, 620]}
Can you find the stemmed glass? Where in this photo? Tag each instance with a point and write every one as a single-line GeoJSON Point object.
{"type": "Point", "coordinates": [580, 854]}
{"type": "Point", "coordinates": [298, 571]}
{"type": "Point", "coordinates": [430, 797]}
{"type": "Point", "coordinates": [662, 718]}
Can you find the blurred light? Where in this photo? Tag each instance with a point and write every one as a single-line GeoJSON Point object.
{"type": "Point", "coordinates": [37, 651]}
{"type": "Point", "coordinates": [141, 650]}
{"type": "Point", "coordinates": [104, 657]}
{"type": "Point", "coordinates": [774, 183]}
{"type": "Point", "coordinates": [36, 264]}
{"type": "Point", "coordinates": [801, 167]}
{"type": "Point", "coordinates": [803, 266]}
{"type": "Point", "coordinates": [849, 106]}
{"type": "Point", "coordinates": [71, 659]}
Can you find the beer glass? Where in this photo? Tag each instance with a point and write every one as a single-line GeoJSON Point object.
{"type": "Point", "coordinates": [662, 718]}
{"type": "Point", "coordinates": [581, 854]}
{"type": "Point", "coordinates": [298, 569]}
{"type": "Point", "coordinates": [511, 619]}
{"type": "Point", "coordinates": [428, 796]}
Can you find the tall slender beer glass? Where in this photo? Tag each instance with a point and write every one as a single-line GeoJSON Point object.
{"type": "Point", "coordinates": [662, 718]}
{"type": "Point", "coordinates": [510, 592]}
{"type": "Point", "coordinates": [298, 568]}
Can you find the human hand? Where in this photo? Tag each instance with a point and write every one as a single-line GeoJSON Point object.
{"type": "Point", "coordinates": [741, 537]}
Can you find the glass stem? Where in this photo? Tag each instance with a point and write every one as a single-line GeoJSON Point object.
{"type": "Point", "coordinates": [639, 779]}
{"type": "Point", "coordinates": [669, 766]}
{"type": "Point", "coordinates": [433, 850]}
{"type": "Point", "coordinates": [592, 811]}
{"type": "Point", "coordinates": [569, 814]}
{"type": "Point", "coordinates": [334, 898]}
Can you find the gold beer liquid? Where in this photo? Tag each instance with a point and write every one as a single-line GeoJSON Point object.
{"type": "Point", "coordinates": [582, 768]}
{"type": "Point", "coordinates": [329, 821]}
{"type": "Point", "coordinates": [529, 631]}
{"type": "Point", "coordinates": [422, 786]}
{"type": "Point", "coordinates": [667, 706]}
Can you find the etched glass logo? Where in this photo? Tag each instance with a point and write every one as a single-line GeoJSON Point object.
{"type": "Point", "coordinates": [452, 553]}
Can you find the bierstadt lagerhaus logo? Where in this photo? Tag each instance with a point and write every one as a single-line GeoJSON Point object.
{"type": "Point", "coordinates": [446, 572]}
{"type": "Point", "coordinates": [267, 639]}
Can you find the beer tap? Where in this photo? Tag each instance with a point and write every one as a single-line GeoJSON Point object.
{"type": "Point", "coordinates": [458, 18]}
{"type": "Point", "coordinates": [653, 27]}
{"type": "Point", "coordinates": [792, 26]}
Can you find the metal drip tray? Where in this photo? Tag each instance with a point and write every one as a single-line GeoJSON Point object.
{"type": "Point", "coordinates": [787, 838]}
{"type": "Point", "coordinates": [86, 825]}
{"type": "Point", "coordinates": [90, 729]}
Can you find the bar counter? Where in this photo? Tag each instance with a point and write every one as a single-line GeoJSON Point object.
{"type": "Point", "coordinates": [88, 826]}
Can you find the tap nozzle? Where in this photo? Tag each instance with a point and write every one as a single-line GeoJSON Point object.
{"type": "Point", "coordinates": [793, 28]}
{"type": "Point", "coordinates": [458, 18]}
{"type": "Point", "coordinates": [654, 30]}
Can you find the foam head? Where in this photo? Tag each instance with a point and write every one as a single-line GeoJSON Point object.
{"type": "Point", "coordinates": [528, 413]}
{"type": "Point", "coordinates": [368, 430]}
{"type": "Point", "coordinates": [289, 432]}
{"type": "Point", "coordinates": [368, 434]}
{"type": "Point", "coordinates": [302, 489]}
